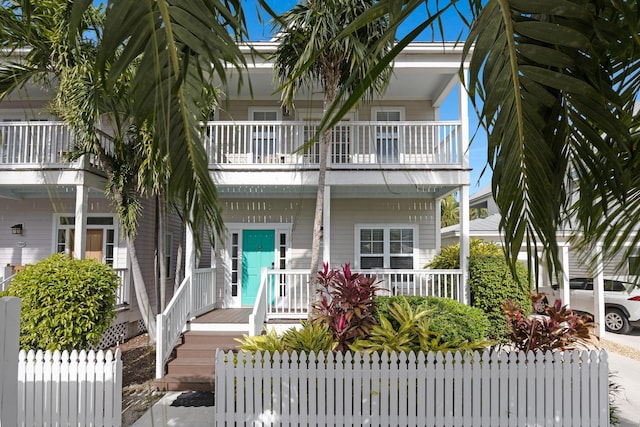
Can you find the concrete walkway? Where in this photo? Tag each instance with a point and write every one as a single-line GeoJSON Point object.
{"type": "Point", "coordinates": [624, 369]}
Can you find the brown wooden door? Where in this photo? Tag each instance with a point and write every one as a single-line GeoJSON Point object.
{"type": "Point", "coordinates": [94, 245]}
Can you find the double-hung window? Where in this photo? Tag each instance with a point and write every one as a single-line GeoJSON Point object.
{"type": "Point", "coordinates": [389, 247]}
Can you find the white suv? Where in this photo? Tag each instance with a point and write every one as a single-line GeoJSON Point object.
{"type": "Point", "coordinates": [621, 302]}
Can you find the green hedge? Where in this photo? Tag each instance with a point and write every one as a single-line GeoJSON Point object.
{"type": "Point", "coordinates": [66, 303]}
{"type": "Point", "coordinates": [449, 317]}
{"type": "Point", "coordinates": [491, 284]}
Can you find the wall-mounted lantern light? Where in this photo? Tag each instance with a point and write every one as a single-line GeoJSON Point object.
{"type": "Point", "coordinates": [16, 229]}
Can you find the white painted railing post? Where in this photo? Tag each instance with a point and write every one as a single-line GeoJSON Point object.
{"type": "Point", "coordinates": [9, 340]}
{"type": "Point", "coordinates": [160, 346]}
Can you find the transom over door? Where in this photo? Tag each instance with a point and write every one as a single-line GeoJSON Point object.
{"type": "Point", "coordinates": [258, 251]}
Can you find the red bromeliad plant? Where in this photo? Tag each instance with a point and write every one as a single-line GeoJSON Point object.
{"type": "Point", "coordinates": [345, 303]}
{"type": "Point", "coordinates": [559, 328]}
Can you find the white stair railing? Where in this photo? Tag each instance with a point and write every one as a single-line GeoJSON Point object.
{"type": "Point", "coordinates": [196, 295]}
{"type": "Point", "coordinates": [171, 322]}
{"type": "Point", "coordinates": [259, 314]}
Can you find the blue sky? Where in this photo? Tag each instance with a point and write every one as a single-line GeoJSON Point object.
{"type": "Point", "coordinates": [454, 29]}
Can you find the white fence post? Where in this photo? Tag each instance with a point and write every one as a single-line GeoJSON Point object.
{"type": "Point", "coordinates": [9, 339]}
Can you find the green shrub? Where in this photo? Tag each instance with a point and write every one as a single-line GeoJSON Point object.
{"type": "Point", "coordinates": [454, 320]}
{"type": "Point", "coordinates": [449, 256]}
{"type": "Point", "coordinates": [492, 284]}
{"type": "Point", "coordinates": [66, 303]}
{"type": "Point", "coordinates": [413, 332]}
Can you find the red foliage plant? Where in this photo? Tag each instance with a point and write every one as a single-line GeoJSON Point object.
{"type": "Point", "coordinates": [559, 328]}
{"type": "Point", "coordinates": [345, 303]}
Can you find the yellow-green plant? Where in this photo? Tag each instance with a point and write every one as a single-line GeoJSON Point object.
{"type": "Point", "coordinates": [310, 337]}
{"type": "Point", "coordinates": [413, 333]}
{"type": "Point", "coordinates": [269, 341]}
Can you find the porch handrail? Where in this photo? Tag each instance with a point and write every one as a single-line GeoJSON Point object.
{"type": "Point", "coordinates": [287, 291]}
{"type": "Point", "coordinates": [171, 322]}
{"type": "Point", "coordinates": [123, 293]}
{"type": "Point", "coordinates": [203, 289]}
{"type": "Point", "coordinates": [5, 282]}
{"type": "Point", "coordinates": [355, 143]}
{"type": "Point", "coordinates": [196, 295]}
{"type": "Point", "coordinates": [259, 314]}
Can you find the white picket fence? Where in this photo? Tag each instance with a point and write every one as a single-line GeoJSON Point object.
{"type": "Point", "coordinates": [69, 389]}
{"type": "Point", "coordinates": [491, 388]}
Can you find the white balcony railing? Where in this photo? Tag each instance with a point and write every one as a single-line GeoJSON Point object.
{"type": "Point", "coordinates": [355, 144]}
{"type": "Point", "coordinates": [42, 143]}
{"type": "Point", "coordinates": [28, 143]}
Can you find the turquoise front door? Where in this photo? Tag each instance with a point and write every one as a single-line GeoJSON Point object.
{"type": "Point", "coordinates": [258, 251]}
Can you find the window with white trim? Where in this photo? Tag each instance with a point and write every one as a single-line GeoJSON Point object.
{"type": "Point", "coordinates": [386, 247]}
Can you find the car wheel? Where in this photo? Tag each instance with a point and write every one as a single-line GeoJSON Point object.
{"type": "Point", "coordinates": [615, 321]}
{"type": "Point", "coordinates": [542, 306]}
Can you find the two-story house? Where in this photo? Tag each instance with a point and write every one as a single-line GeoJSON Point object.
{"type": "Point", "coordinates": [391, 161]}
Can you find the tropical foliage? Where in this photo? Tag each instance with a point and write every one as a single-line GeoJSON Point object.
{"type": "Point", "coordinates": [66, 303]}
{"type": "Point", "coordinates": [559, 329]}
{"type": "Point", "coordinates": [454, 320]}
{"type": "Point", "coordinates": [346, 304]}
{"type": "Point", "coordinates": [412, 333]}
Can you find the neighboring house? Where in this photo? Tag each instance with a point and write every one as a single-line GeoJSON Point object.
{"type": "Point", "coordinates": [49, 205]}
{"type": "Point", "coordinates": [575, 264]}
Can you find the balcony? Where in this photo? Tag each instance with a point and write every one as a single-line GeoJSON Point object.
{"type": "Point", "coordinates": [355, 145]}
{"type": "Point", "coordinates": [45, 144]}
{"type": "Point", "coordinates": [263, 145]}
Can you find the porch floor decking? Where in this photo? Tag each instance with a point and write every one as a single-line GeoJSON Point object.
{"type": "Point", "coordinates": [224, 315]}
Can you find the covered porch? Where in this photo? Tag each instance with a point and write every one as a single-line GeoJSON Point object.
{"type": "Point", "coordinates": [283, 297]}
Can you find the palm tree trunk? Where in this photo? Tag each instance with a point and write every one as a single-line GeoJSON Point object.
{"type": "Point", "coordinates": [148, 317]}
{"type": "Point", "coordinates": [331, 89]}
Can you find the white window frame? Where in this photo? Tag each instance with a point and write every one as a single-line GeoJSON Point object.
{"type": "Point", "coordinates": [104, 227]}
{"type": "Point", "coordinates": [386, 242]}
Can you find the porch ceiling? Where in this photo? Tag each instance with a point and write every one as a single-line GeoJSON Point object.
{"type": "Point", "coordinates": [341, 192]}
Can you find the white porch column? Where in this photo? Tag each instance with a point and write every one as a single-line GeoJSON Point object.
{"type": "Point", "coordinates": [80, 239]}
{"type": "Point", "coordinates": [566, 294]}
{"type": "Point", "coordinates": [326, 225]}
{"type": "Point", "coordinates": [438, 224]}
{"type": "Point", "coordinates": [464, 242]}
{"type": "Point", "coordinates": [598, 293]}
{"type": "Point", "coordinates": [463, 100]}
{"type": "Point", "coordinates": [189, 252]}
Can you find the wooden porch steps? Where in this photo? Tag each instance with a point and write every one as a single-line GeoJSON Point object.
{"type": "Point", "coordinates": [193, 367]}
